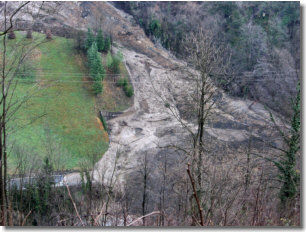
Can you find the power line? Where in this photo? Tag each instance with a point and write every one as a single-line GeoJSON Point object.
{"type": "Point", "coordinates": [69, 74]}
{"type": "Point", "coordinates": [108, 81]}
{"type": "Point", "coordinates": [252, 75]}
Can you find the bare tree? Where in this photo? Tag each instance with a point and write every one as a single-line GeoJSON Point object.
{"type": "Point", "coordinates": [144, 171]}
{"type": "Point", "coordinates": [12, 57]}
{"type": "Point", "coordinates": [210, 67]}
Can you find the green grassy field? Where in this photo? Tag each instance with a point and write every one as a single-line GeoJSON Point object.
{"type": "Point", "coordinates": [69, 132]}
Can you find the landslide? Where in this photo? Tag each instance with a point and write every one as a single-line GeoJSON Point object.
{"type": "Point", "coordinates": [149, 128]}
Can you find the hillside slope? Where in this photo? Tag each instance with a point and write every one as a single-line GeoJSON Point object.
{"type": "Point", "coordinates": [149, 128]}
{"type": "Point", "coordinates": [66, 130]}
{"type": "Point", "coordinates": [263, 38]}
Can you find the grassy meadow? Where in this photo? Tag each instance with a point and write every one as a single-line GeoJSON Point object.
{"type": "Point", "coordinates": [60, 119]}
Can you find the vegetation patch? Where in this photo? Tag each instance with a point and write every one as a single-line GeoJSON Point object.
{"type": "Point", "coordinates": [59, 120]}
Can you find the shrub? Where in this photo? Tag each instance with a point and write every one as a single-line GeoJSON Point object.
{"type": "Point", "coordinates": [109, 60]}
{"type": "Point", "coordinates": [128, 89]}
{"type": "Point", "coordinates": [115, 65]}
{"type": "Point", "coordinates": [122, 82]}
{"type": "Point", "coordinates": [155, 28]}
{"type": "Point", "coordinates": [119, 55]}
{"type": "Point", "coordinates": [116, 62]}
{"type": "Point", "coordinates": [167, 105]}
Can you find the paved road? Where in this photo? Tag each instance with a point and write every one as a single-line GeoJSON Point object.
{"type": "Point", "coordinates": [22, 182]}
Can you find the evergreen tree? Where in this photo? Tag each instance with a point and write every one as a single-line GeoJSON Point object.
{"type": "Point", "coordinates": [91, 57]}
{"type": "Point", "coordinates": [90, 39]}
{"type": "Point", "coordinates": [287, 167]}
{"type": "Point", "coordinates": [100, 41]}
{"type": "Point", "coordinates": [97, 87]}
{"type": "Point", "coordinates": [96, 69]}
{"type": "Point", "coordinates": [107, 44]}
{"type": "Point", "coordinates": [287, 164]}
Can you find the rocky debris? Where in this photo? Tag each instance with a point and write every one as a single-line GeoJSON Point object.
{"type": "Point", "coordinates": [152, 129]}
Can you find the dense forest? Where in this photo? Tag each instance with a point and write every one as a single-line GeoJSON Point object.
{"type": "Point", "coordinates": [263, 39]}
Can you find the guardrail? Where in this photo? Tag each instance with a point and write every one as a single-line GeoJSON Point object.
{"type": "Point", "coordinates": [22, 183]}
{"type": "Point", "coordinates": [109, 115]}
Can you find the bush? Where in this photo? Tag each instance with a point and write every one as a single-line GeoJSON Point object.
{"type": "Point", "coordinates": [127, 88]}
{"type": "Point", "coordinates": [109, 60]}
{"type": "Point", "coordinates": [116, 62]}
{"type": "Point", "coordinates": [119, 55]}
{"type": "Point", "coordinates": [115, 65]}
{"type": "Point", "coordinates": [122, 82]}
{"type": "Point", "coordinates": [129, 91]}
{"type": "Point", "coordinates": [155, 28]}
